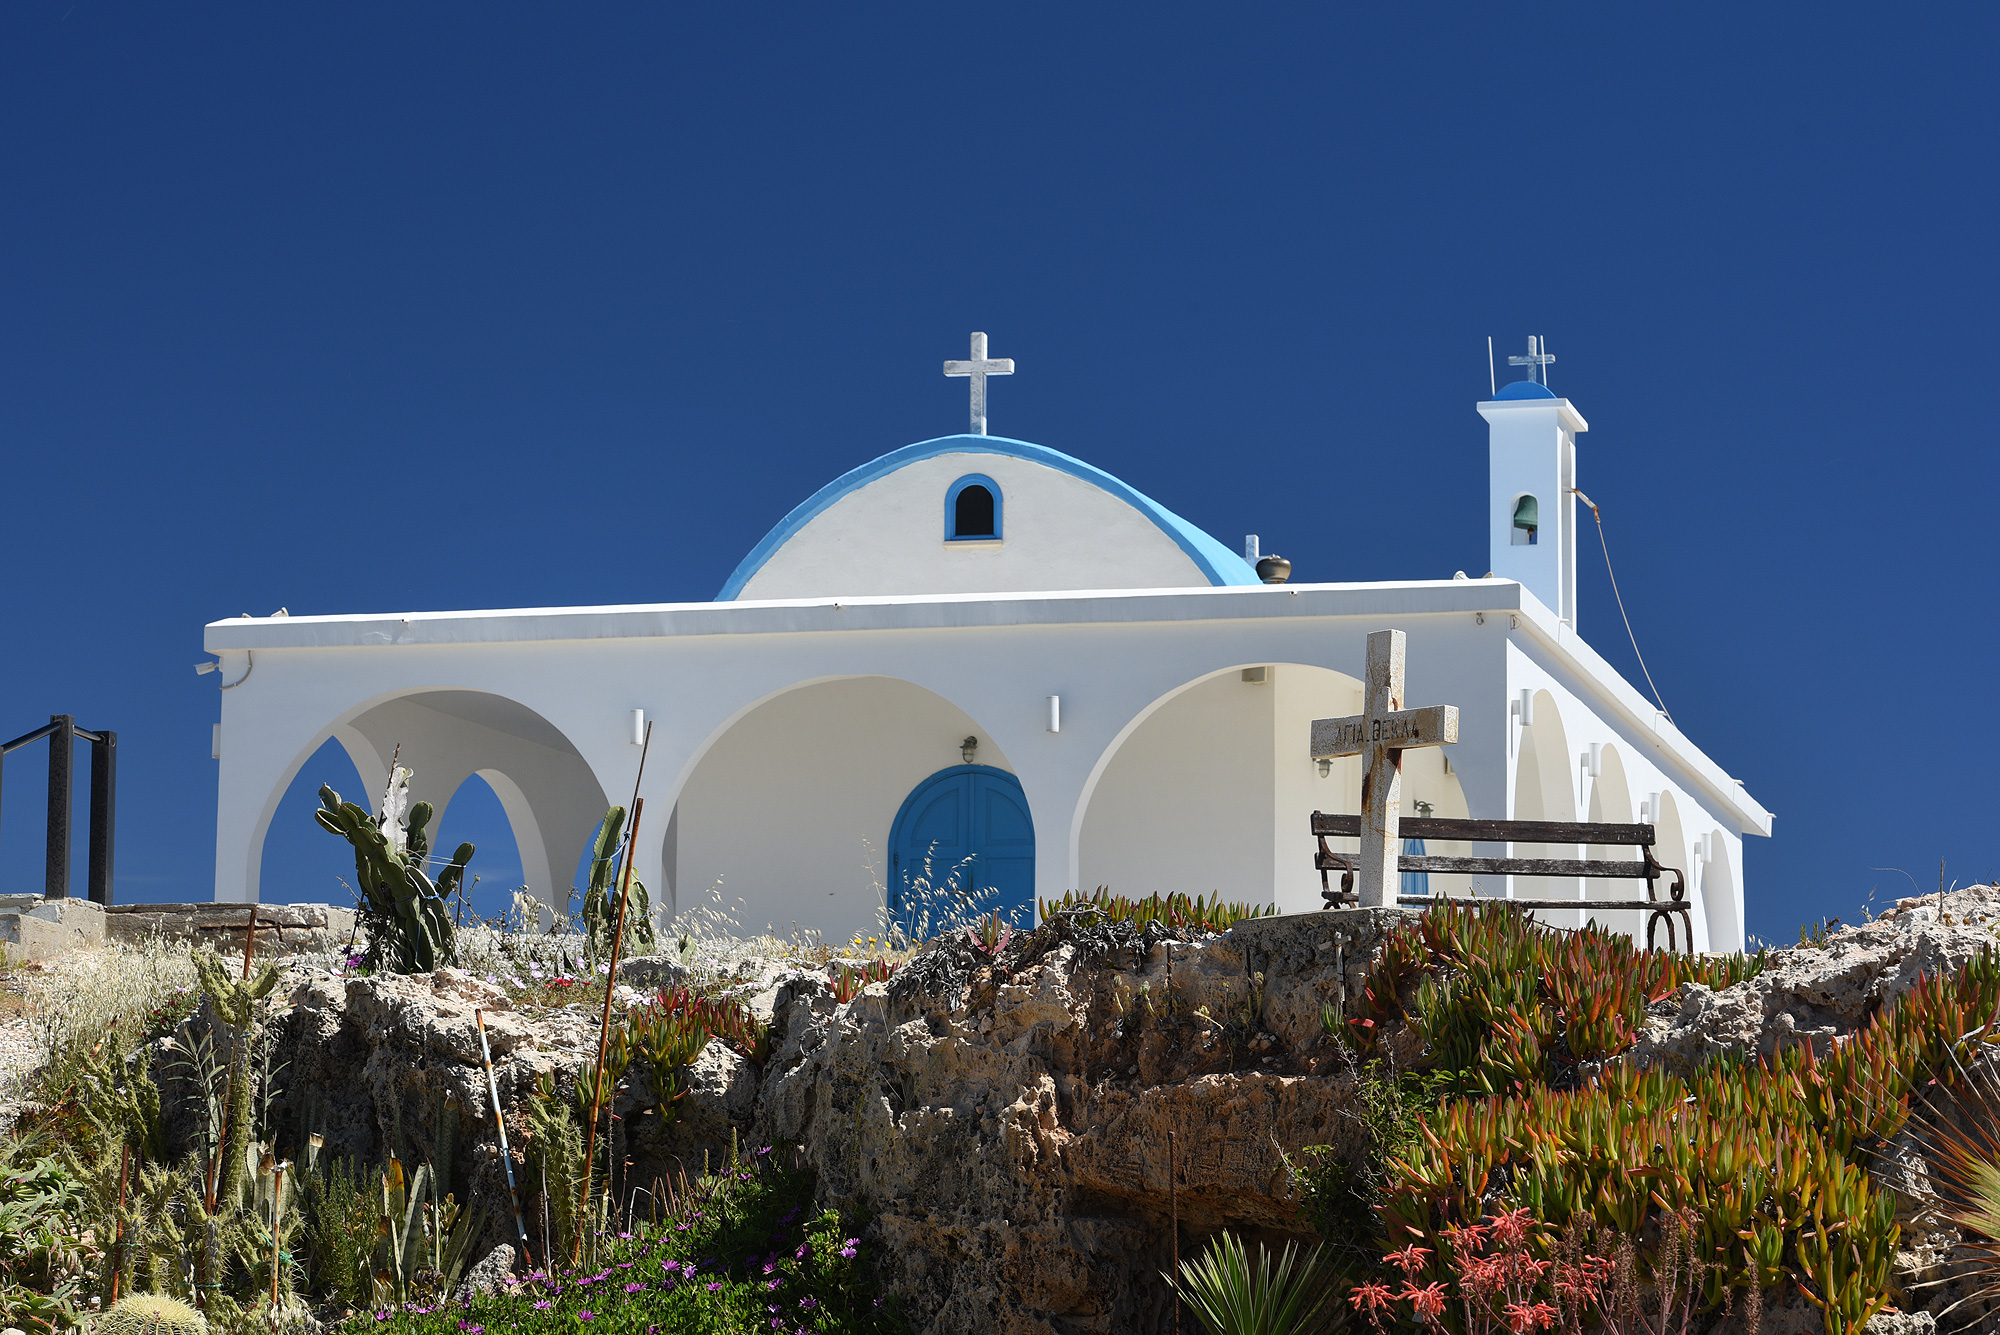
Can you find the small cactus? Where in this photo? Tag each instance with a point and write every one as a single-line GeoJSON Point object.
{"type": "Point", "coordinates": [151, 1314]}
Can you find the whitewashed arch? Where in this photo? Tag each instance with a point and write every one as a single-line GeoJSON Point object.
{"type": "Point", "coordinates": [780, 819]}
{"type": "Point", "coordinates": [1718, 895]}
{"type": "Point", "coordinates": [1611, 803]}
{"type": "Point", "coordinates": [1544, 790]}
{"type": "Point", "coordinates": [1235, 732]}
{"type": "Point", "coordinates": [1671, 847]}
{"type": "Point", "coordinates": [545, 785]}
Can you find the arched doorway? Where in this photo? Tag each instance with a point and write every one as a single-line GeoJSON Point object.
{"type": "Point", "coordinates": [963, 831]}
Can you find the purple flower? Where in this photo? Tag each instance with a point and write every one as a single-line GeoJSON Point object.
{"type": "Point", "coordinates": [805, 1250]}
{"type": "Point", "coordinates": [586, 1315]}
{"type": "Point", "coordinates": [634, 1288]}
{"type": "Point", "coordinates": [775, 1283]}
{"type": "Point", "coordinates": [714, 1286]}
{"type": "Point", "coordinates": [543, 1305]}
{"type": "Point", "coordinates": [777, 1323]}
{"type": "Point", "coordinates": [807, 1304]}
{"type": "Point", "coordinates": [847, 1253]}
{"type": "Point", "coordinates": [764, 1151]}
{"type": "Point", "coordinates": [381, 1316]}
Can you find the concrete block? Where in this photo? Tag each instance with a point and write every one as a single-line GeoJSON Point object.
{"type": "Point", "coordinates": [280, 929]}
{"type": "Point", "coordinates": [41, 936]}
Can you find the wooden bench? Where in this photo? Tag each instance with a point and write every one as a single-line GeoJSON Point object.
{"type": "Point", "coordinates": [1646, 867]}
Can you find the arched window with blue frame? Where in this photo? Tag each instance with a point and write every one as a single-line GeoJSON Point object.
{"type": "Point", "coordinates": [972, 510]}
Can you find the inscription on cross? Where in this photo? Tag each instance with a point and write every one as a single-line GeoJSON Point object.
{"type": "Point", "coordinates": [1380, 736]}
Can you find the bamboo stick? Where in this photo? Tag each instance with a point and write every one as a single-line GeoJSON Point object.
{"type": "Point", "coordinates": [500, 1123]}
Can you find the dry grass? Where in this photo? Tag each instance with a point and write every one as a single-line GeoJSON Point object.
{"type": "Point", "coordinates": [77, 1000]}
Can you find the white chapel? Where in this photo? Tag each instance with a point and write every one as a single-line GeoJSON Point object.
{"type": "Point", "coordinates": [984, 657]}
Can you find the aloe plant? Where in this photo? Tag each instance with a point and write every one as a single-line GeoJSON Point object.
{"type": "Point", "coordinates": [425, 1235]}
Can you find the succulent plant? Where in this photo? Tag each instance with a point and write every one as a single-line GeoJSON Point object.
{"type": "Point", "coordinates": [410, 930]}
{"type": "Point", "coordinates": [600, 901]}
{"type": "Point", "coordinates": [151, 1314]}
{"type": "Point", "coordinates": [1197, 913]}
{"type": "Point", "coordinates": [1766, 1157]}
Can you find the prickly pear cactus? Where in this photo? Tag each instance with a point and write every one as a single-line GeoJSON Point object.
{"type": "Point", "coordinates": [600, 900]}
{"type": "Point", "coordinates": [150, 1314]}
{"type": "Point", "coordinates": [410, 929]}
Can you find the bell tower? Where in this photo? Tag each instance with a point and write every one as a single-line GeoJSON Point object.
{"type": "Point", "coordinates": [1531, 502]}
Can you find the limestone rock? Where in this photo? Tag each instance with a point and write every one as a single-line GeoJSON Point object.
{"type": "Point", "coordinates": [652, 972]}
{"type": "Point", "coordinates": [489, 1273]}
{"type": "Point", "coordinates": [1007, 1124]}
{"type": "Point", "coordinates": [1811, 994]}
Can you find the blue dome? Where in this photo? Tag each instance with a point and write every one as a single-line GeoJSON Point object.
{"type": "Point", "coordinates": [1525, 389]}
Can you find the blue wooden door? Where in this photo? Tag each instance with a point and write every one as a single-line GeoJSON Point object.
{"type": "Point", "coordinates": [962, 829]}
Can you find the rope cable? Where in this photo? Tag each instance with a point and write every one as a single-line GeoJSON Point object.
{"type": "Point", "coordinates": [1599, 516]}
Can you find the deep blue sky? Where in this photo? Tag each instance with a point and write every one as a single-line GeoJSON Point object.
{"type": "Point", "coordinates": [375, 308]}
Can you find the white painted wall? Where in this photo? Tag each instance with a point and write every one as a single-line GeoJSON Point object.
{"type": "Point", "coordinates": [1058, 532]}
{"type": "Point", "coordinates": [785, 822]}
{"type": "Point", "coordinates": [1184, 806]}
{"type": "Point", "coordinates": [1117, 659]}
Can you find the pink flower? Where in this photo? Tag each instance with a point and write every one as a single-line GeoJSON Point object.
{"type": "Point", "coordinates": [1368, 1297]}
{"type": "Point", "coordinates": [1511, 1229]}
{"type": "Point", "coordinates": [1409, 1260]}
{"type": "Point", "coordinates": [586, 1315]}
{"type": "Point", "coordinates": [1427, 1302]}
{"type": "Point", "coordinates": [714, 1286]}
{"type": "Point", "coordinates": [1521, 1318]}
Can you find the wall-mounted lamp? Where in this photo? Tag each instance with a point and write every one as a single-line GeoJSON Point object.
{"type": "Point", "coordinates": [967, 747]}
{"type": "Point", "coordinates": [638, 727]}
{"type": "Point", "coordinates": [1055, 713]}
{"type": "Point", "coordinates": [1424, 810]}
{"type": "Point", "coordinates": [1526, 707]}
{"type": "Point", "coordinates": [1325, 767]}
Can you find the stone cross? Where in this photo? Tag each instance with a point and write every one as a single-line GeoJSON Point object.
{"type": "Point", "coordinates": [1380, 736]}
{"type": "Point", "coordinates": [978, 369]}
{"type": "Point", "coordinates": [1537, 361]}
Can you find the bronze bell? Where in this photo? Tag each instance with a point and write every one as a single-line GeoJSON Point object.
{"type": "Point", "coordinates": [1274, 569]}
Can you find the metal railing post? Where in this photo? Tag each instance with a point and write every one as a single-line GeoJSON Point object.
{"type": "Point", "coordinates": [62, 743]}
{"type": "Point", "coordinates": [103, 815]}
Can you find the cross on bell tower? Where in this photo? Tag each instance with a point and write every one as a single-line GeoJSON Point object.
{"type": "Point", "coordinates": [977, 369]}
{"type": "Point", "coordinates": [1537, 361]}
